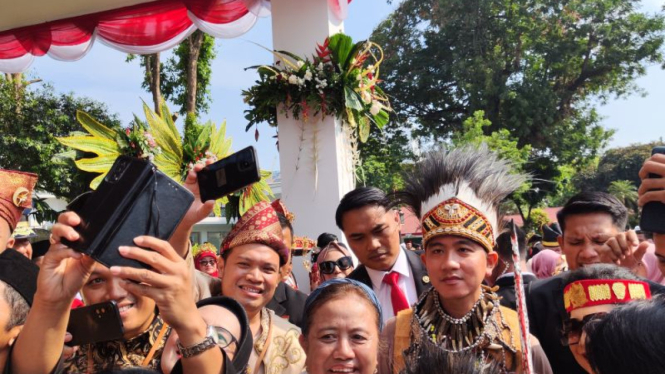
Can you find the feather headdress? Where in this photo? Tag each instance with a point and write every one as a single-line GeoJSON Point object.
{"type": "Point", "coordinates": [458, 192]}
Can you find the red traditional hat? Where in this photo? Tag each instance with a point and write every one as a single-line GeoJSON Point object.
{"type": "Point", "coordinates": [302, 245]}
{"type": "Point", "coordinates": [279, 207]}
{"type": "Point", "coordinates": [15, 194]}
{"type": "Point", "coordinates": [592, 292]}
{"type": "Point", "coordinates": [258, 225]}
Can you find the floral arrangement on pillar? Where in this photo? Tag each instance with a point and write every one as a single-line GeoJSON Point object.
{"type": "Point", "coordinates": [157, 139]}
{"type": "Point", "coordinates": [341, 80]}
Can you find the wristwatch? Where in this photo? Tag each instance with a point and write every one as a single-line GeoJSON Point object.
{"type": "Point", "coordinates": [196, 349]}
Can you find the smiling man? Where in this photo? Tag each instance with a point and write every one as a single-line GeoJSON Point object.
{"type": "Point", "coordinates": [371, 227]}
{"type": "Point", "coordinates": [457, 195]}
{"type": "Point", "coordinates": [593, 231]}
{"type": "Point", "coordinates": [253, 253]}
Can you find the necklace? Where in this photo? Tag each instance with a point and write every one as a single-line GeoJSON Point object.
{"type": "Point", "coordinates": [457, 321]}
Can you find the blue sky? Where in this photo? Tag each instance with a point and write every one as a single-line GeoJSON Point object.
{"type": "Point", "coordinates": [104, 75]}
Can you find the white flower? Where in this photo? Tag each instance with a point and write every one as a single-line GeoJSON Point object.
{"type": "Point", "coordinates": [308, 75]}
{"type": "Point", "coordinates": [375, 108]}
{"type": "Point", "coordinates": [371, 68]}
{"type": "Point", "coordinates": [300, 64]}
{"type": "Point", "coordinates": [293, 79]}
{"type": "Point", "coordinates": [367, 98]}
{"type": "Point", "coordinates": [320, 66]}
{"type": "Point", "coordinates": [301, 82]}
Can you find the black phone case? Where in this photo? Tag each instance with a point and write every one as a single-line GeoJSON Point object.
{"type": "Point", "coordinates": [652, 218]}
{"type": "Point", "coordinates": [229, 174]}
{"type": "Point", "coordinates": [95, 323]}
{"type": "Point", "coordinates": [137, 200]}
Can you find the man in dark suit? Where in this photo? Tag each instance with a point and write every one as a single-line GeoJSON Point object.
{"type": "Point", "coordinates": [371, 227]}
{"type": "Point", "coordinates": [288, 303]}
{"type": "Point", "coordinates": [503, 274]}
{"type": "Point", "coordinates": [592, 224]}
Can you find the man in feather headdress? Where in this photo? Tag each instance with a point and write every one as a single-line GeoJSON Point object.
{"type": "Point", "coordinates": [457, 194]}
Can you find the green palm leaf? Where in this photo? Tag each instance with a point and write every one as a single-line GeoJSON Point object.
{"type": "Point", "coordinates": [94, 127]}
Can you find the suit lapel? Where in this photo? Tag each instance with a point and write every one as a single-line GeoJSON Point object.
{"type": "Point", "coordinates": [419, 272]}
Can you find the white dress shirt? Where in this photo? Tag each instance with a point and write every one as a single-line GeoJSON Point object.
{"type": "Point", "coordinates": [405, 282]}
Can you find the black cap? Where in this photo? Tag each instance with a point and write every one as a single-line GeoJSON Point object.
{"type": "Point", "coordinates": [550, 235]}
{"type": "Point", "coordinates": [19, 273]}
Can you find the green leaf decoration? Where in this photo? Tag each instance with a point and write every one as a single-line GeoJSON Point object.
{"type": "Point", "coordinates": [352, 99]}
{"type": "Point", "coordinates": [220, 145]}
{"type": "Point", "coordinates": [350, 118]}
{"type": "Point", "coordinates": [100, 164]}
{"type": "Point", "coordinates": [381, 118]}
{"type": "Point", "coordinates": [92, 144]}
{"type": "Point", "coordinates": [95, 128]}
{"type": "Point", "coordinates": [341, 46]}
{"type": "Point", "coordinates": [363, 129]}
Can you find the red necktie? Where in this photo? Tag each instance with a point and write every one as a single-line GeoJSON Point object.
{"type": "Point", "coordinates": [397, 297]}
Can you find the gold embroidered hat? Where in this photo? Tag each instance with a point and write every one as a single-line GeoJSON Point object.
{"type": "Point", "coordinates": [15, 194]}
{"type": "Point", "coordinates": [258, 225]}
{"type": "Point", "coordinates": [592, 292]}
{"type": "Point", "coordinates": [279, 207]}
{"type": "Point", "coordinates": [458, 192]}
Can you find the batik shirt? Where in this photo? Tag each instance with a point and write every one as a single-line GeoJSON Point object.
{"type": "Point", "coordinates": [119, 353]}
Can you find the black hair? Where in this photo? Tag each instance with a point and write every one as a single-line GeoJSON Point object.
{"type": "Point", "coordinates": [360, 198]}
{"type": "Point", "coordinates": [599, 271]}
{"type": "Point", "coordinates": [504, 246]}
{"type": "Point", "coordinates": [284, 222]}
{"type": "Point", "coordinates": [324, 239]}
{"type": "Point", "coordinates": [424, 356]}
{"type": "Point", "coordinates": [628, 339]}
{"type": "Point", "coordinates": [594, 202]}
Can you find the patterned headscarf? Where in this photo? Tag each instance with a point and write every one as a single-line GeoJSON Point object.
{"type": "Point", "coordinates": [332, 246]}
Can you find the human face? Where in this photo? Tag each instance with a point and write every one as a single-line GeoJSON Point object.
{"type": "Point", "coordinates": [208, 265]}
{"type": "Point", "coordinates": [136, 312]}
{"type": "Point", "coordinates": [337, 273]}
{"type": "Point", "coordinates": [457, 267]}
{"type": "Point", "coordinates": [584, 237]}
{"type": "Point", "coordinates": [7, 336]}
{"type": "Point", "coordinates": [577, 341]}
{"type": "Point", "coordinates": [373, 235]}
{"type": "Point", "coordinates": [24, 247]}
{"type": "Point", "coordinates": [659, 241]}
{"type": "Point", "coordinates": [251, 275]}
{"type": "Point", "coordinates": [343, 337]}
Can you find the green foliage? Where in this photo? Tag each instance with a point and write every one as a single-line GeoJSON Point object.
{"type": "Point", "coordinates": [28, 131]}
{"type": "Point", "coordinates": [341, 80]}
{"type": "Point", "coordinates": [535, 68]}
{"type": "Point", "coordinates": [626, 192]}
{"type": "Point", "coordinates": [622, 163]}
{"type": "Point", "coordinates": [537, 218]}
{"type": "Point", "coordinates": [174, 77]}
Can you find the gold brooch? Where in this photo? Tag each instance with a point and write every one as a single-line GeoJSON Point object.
{"type": "Point", "coordinates": [20, 196]}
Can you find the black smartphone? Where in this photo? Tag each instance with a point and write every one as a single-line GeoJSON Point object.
{"type": "Point", "coordinates": [134, 199]}
{"type": "Point", "coordinates": [229, 174]}
{"type": "Point", "coordinates": [95, 323]}
{"type": "Point", "coordinates": [653, 213]}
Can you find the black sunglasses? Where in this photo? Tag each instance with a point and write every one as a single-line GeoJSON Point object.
{"type": "Point", "coordinates": [572, 328]}
{"type": "Point", "coordinates": [328, 267]}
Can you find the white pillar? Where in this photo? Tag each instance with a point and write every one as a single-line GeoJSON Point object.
{"type": "Point", "coordinates": [311, 188]}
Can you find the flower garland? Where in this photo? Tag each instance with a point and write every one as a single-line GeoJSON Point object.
{"type": "Point", "coordinates": [340, 80]}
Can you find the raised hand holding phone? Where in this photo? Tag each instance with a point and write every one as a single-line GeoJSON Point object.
{"type": "Point", "coordinates": [652, 192]}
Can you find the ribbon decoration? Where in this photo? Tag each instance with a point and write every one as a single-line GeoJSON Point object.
{"type": "Point", "coordinates": [522, 316]}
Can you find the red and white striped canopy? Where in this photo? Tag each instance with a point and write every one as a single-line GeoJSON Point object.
{"type": "Point", "coordinates": [142, 29]}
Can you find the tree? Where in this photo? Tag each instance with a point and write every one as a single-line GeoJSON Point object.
{"type": "Point", "coordinates": [622, 163]}
{"type": "Point", "coordinates": [185, 77]}
{"type": "Point", "coordinates": [535, 67]}
{"type": "Point", "coordinates": [626, 192]}
{"type": "Point", "coordinates": [27, 136]}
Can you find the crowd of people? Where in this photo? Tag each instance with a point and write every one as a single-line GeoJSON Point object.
{"type": "Point", "coordinates": [590, 302]}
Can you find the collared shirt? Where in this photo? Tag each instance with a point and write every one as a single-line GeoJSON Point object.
{"type": "Point", "coordinates": [405, 282]}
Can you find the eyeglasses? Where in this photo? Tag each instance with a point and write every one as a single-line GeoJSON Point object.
{"type": "Point", "coordinates": [328, 267]}
{"type": "Point", "coordinates": [573, 328]}
{"type": "Point", "coordinates": [207, 262]}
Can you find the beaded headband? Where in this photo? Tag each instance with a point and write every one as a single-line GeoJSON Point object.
{"type": "Point", "coordinates": [455, 217]}
{"type": "Point", "coordinates": [593, 292]}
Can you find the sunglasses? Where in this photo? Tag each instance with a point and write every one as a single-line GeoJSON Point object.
{"type": "Point", "coordinates": [207, 262]}
{"type": "Point", "coordinates": [328, 267]}
{"type": "Point", "coordinates": [573, 328]}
